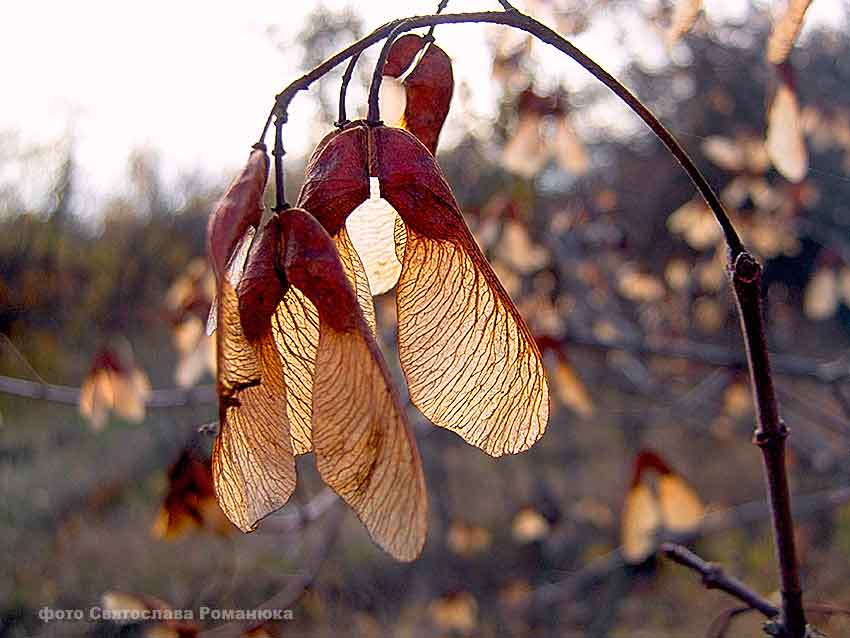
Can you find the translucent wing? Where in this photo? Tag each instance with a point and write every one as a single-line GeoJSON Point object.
{"type": "Point", "coordinates": [356, 274]}
{"type": "Point", "coordinates": [471, 363]}
{"type": "Point", "coordinates": [364, 449]}
{"type": "Point", "coordinates": [370, 228]}
{"type": "Point", "coordinates": [296, 331]}
{"type": "Point", "coordinates": [253, 463]}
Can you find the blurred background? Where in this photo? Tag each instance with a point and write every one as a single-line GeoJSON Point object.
{"type": "Point", "coordinates": [120, 128]}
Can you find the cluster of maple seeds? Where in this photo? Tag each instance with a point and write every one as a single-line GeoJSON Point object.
{"type": "Point", "coordinates": [299, 369]}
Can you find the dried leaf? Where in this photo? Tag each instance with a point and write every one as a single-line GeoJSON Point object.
{"type": "Point", "coordinates": [522, 153]}
{"type": "Point", "coordinates": [675, 507]}
{"type": "Point", "coordinates": [113, 384]}
{"type": "Point", "coordinates": [786, 30]}
{"type": "Point", "coordinates": [469, 359]}
{"type": "Point", "coordinates": [569, 150]}
{"type": "Point", "coordinates": [363, 445]}
{"type": "Point", "coordinates": [253, 462]}
{"type": "Point", "coordinates": [518, 251]}
{"type": "Point", "coordinates": [723, 152]}
{"type": "Point", "coordinates": [696, 223]}
{"type": "Point", "coordinates": [785, 142]}
{"type": "Point", "coordinates": [640, 287]}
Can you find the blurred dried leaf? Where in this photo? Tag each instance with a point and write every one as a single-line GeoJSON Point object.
{"type": "Point", "coordinates": [457, 612]}
{"type": "Point", "coordinates": [786, 30]}
{"type": "Point", "coordinates": [785, 142]}
{"type": "Point", "coordinates": [685, 14]}
{"type": "Point", "coordinates": [114, 384]}
{"type": "Point", "coordinates": [191, 501]}
{"type": "Point", "coordinates": [640, 523]}
{"type": "Point", "coordinates": [518, 251]}
{"type": "Point", "coordinates": [681, 508]}
{"type": "Point", "coordinates": [737, 400]}
{"type": "Point", "coordinates": [570, 389]}
{"type": "Point", "coordinates": [529, 526]}
{"type": "Point", "coordinates": [821, 297]}
{"type": "Point", "coordinates": [695, 222]}
{"type": "Point", "coordinates": [467, 539]}
{"type": "Point", "coordinates": [639, 287]}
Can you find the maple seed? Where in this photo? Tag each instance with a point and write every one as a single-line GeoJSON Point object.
{"type": "Point", "coordinates": [470, 361]}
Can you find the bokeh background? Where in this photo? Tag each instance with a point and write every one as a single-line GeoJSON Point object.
{"type": "Point", "coordinates": [121, 127]}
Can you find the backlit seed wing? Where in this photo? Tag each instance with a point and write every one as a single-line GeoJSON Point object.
{"type": "Point", "coordinates": [471, 363]}
{"type": "Point", "coordinates": [364, 449]}
{"type": "Point", "coordinates": [253, 463]}
{"type": "Point", "coordinates": [370, 228]}
{"type": "Point", "coordinates": [295, 326]}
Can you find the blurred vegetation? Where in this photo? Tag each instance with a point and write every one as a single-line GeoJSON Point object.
{"type": "Point", "coordinates": [588, 259]}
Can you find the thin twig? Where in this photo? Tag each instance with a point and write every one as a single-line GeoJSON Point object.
{"type": "Point", "coordinates": [826, 372]}
{"type": "Point", "coordinates": [69, 395]}
{"type": "Point", "coordinates": [713, 577]}
{"type": "Point", "coordinates": [295, 587]}
{"type": "Point", "coordinates": [513, 18]}
{"type": "Point", "coordinates": [713, 523]}
{"type": "Point", "coordinates": [770, 435]}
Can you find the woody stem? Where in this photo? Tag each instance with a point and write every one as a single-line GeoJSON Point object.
{"type": "Point", "coordinates": [515, 19]}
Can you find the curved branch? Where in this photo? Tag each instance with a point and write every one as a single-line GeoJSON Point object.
{"type": "Point", "coordinates": [374, 116]}
{"type": "Point", "coordinates": [513, 18]}
{"type": "Point", "coordinates": [713, 577]}
{"type": "Point", "coordinates": [68, 395]}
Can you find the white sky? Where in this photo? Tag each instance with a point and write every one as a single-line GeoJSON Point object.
{"type": "Point", "coordinates": [194, 80]}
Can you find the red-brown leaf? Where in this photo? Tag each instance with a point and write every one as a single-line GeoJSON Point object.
{"type": "Point", "coordinates": [240, 207]}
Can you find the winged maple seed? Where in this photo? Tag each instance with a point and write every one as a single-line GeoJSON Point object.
{"type": "Point", "coordinates": [298, 370]}
{"type": "Point", "coordinates": [673, 506]}
{"type": "Point", "coordinates": [114, 384]}
{"type": "Point", "coordinates": [470, 361]}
